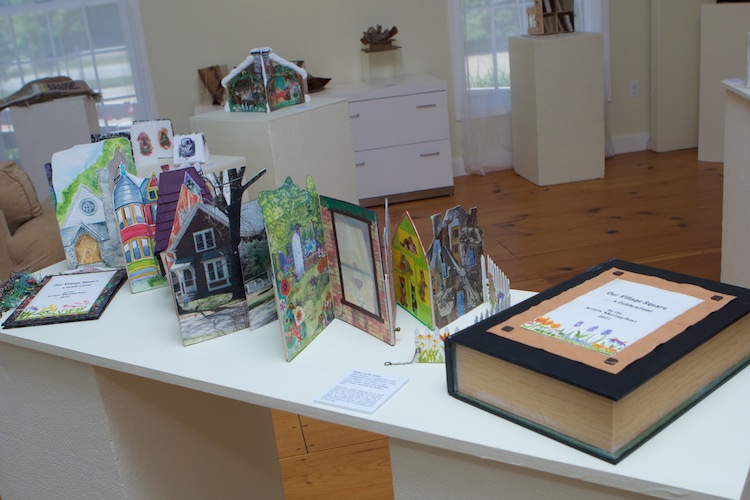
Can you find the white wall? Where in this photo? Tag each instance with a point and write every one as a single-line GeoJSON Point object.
{"type": "Point", "coordinates": [325, 33]}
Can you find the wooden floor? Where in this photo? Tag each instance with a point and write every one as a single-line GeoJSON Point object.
{"type": "Point", "coordinates": [659, 209]}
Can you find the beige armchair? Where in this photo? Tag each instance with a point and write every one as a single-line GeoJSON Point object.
{"type": "Point", "coordinates": [29, 233]}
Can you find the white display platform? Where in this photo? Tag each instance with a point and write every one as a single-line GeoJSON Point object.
{"type": "Point", "coordinates": [723, 54]}
{"type": "Point", "coordinates": [558, 107]}
{"type": "Point", "coordinates": [306, 139]}
{"type": "Point", "coordinates": [440, 447]}
{"type": "Point", "coordinates": [735, 235]}
{"type": "Point", "coordinates": [44, 128]}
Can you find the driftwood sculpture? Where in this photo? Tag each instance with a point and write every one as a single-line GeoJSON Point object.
{"type": "Point", "coordinates": [379, 39]}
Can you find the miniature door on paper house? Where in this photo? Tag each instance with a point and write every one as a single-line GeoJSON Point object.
{"type": "Point", "coordinates": [264, 82]}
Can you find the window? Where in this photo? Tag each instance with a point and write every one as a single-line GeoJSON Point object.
{"type": "Point", "coordinates": [204, 240]}
{"type": "Point", "coordinates": [217, 274]}
{"type": "Point", "coordinates": [88, 207]}
{"type": "Point", "coordinates": [480, 31]}
{"type": "Point", "coordinates": [98, 41]}
{"type": "Point", "coordinates": [479, 44]}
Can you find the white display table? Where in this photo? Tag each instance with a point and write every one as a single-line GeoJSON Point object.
{"type": "Point", "coordinates": [69, 391]}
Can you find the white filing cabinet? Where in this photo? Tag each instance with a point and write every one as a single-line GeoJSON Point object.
{"type": "Point", "coordinates": [400, 136]}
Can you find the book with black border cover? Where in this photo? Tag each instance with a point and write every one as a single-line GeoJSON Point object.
{"type": "Point", "coordinates": [536, 367]}
{"type": "Point", "coordinates": [104, 290]}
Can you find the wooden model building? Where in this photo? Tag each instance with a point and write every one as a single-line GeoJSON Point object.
{"type": "Point", "coordinates": [264, 82]}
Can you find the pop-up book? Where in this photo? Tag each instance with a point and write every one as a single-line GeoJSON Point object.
{"type": "Point", "coordinates": [455, 264]}
{"type": "Point", "coordinates": [264, 82]}
{"type": "Point", "coordinates": [218, 261]}
{"type": "Point", "coordinates": [445, 282]}
{"type": "Point", "coordinates": [326, 260]}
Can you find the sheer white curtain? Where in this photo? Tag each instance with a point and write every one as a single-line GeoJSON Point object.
{"type": "Point", "coordinates": [99, 41]}
{"type": "Point", "coordinates": [481, 74]}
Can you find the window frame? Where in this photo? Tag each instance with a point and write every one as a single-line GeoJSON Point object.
{"type": "Point", "coordinates": [135, 47]}
{"type": "Point", "coordinates": [201, 236]}
{"type": "Point", "coordinates": [484, 102]}
{"type": "Point", "coordinates": [216, 265]}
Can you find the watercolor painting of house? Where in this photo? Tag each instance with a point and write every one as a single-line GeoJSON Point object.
{"type": "Point", "coordinates": [82, 183]}
{"type": "Point", "coordinates": [264, 82]}
{"type": "Point", "coordinates": [302, 284]}
{"type": "Point", "coordinates": [135, 203]}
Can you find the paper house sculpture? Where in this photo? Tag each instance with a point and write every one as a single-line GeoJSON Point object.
{"type": "Point", "coordinates": [264, 82]}
{"type": "Point", "coordinates": [455, 264]}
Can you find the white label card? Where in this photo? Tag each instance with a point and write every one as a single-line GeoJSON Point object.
{"type": "Point", "coordinates": [362, 391]}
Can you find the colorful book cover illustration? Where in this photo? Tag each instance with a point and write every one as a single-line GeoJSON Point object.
{"type": "Point", "coordinates": [82, 180]}
{"type": "Point", "coordinates": [62, 298]}
{"type": "Point", "coordinates": [455, 257]}
{"type": "Point", "coordinates": [360, 292]}
{"type": "Point", "coordinates": [411, 272]}
{"type": "Point", "coordinates": [297, 242]}
{"type": "Point", "coordinates": [212, 243]}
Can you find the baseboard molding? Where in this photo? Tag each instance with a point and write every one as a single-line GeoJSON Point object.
{"type": "Point", "coordinates": [459, 170]}
{"type": "Point", "coordinates": [631, 143]}
{"type": "Point", "coordinates": [621, 144]}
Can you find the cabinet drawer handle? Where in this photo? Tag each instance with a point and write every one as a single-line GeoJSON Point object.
{"type": "Point", "coordinates": [355, 115]}
{"type": "Point", "coordinates": [426, 155]}
{"type": "Point", "coordinates": [423, 106]}
{"type": "Point", "coordinates": [360, 164]}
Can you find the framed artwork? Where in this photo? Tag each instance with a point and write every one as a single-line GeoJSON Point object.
{"type": "Point", "coordinates": [356, 263]}
{"type": "Point", "coordinates": [358, 272]}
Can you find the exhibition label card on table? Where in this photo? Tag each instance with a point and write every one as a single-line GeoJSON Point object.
{"type": "Point", "coordinates": [362, 391]}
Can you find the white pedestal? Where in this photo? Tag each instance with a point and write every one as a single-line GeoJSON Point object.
{"type": "Point", "coordinates": [308, 139]}
{"type": "Point", "coordinates": [558, 107]}
{"type": "Point", "coordinates": [735, 236]}
{"type": "Point", "coordinates": [45, 128]}
{"type": "Point", "coordinates": [723, 38]}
